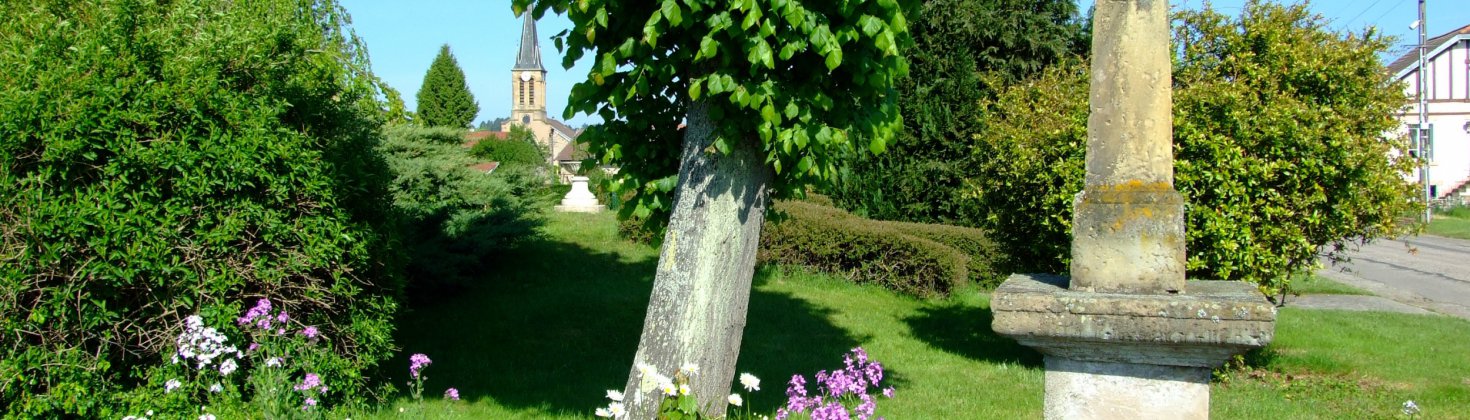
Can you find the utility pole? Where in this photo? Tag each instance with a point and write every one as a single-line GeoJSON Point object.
{"type": "Point", "coordinates": [1423, 132]}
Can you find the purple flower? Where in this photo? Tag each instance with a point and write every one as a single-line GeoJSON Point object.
{"type": "Point", "coordinates": [253, 346]}
{"type": "Point", "coordinates": [452, 394]}
{"type": "Point", "coordinates": [309, 332]}
{"type": "Point", "coordinates": [310, 402]}
{"type": "Point", "coordinates": [282, 317]}
{"type": "Point", "coordinates": [888, 392]}
{"type": "Point", "coordinates": [262, 308]}
{"type": "Point", "coordinates": [417, 362]}
{"type": "Point", "coordinates": [311, 381]}
{"type": "Point", "coordinates": [832, 411]}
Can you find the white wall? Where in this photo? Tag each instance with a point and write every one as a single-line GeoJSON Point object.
{"type": "Point", "coordinates": [1449, 112]}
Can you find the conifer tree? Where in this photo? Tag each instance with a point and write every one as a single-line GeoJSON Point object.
{"type": "Point", "coordinates": [445, 100]}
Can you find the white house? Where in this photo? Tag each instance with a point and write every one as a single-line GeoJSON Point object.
{"type": "Point", "coordinates": [1447, 63]}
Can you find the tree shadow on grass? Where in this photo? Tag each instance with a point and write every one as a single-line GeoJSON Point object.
{"type": "Point", "coordinates": [556, 324]}
{"type": "Point", "coordinates": [965, 330]}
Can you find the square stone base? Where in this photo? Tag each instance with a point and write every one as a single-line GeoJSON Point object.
{"type": "Point", "coordinates": [1105, 390]}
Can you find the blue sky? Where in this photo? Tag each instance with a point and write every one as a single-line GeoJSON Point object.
{"type": "Point", "coordinates": [404, 36]}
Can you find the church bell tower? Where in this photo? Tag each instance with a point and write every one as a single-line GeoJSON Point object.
{"type": "Point", "coordinates": [528, 78]}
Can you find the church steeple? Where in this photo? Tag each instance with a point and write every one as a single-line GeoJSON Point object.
{"type": "Point", "coordinates": [528, 79]}
{"type": "Point", "coordinates": [529, 57]}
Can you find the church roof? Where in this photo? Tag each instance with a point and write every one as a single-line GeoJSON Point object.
{"type": "Point", "coordinates": [529, 57]}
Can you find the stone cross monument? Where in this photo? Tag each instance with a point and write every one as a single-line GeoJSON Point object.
{"type": "Point", "coordinates": [1126, 336]}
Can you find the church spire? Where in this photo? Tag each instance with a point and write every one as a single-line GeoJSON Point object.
{"type": "Point", "coordinates": [529, 57]}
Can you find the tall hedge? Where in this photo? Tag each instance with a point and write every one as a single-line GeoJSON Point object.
{"type": "Point", "coordinates": [165, 158]}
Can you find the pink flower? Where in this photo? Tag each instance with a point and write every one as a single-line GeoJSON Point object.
{"type": "Point", "coordinates": [309, 332]}
{"type": "Point", "coordinates": [417, 363]}
{"type": "Point", "coordinates": [452, 394]}
{"type": "Point", "coordinates": [312, 380]}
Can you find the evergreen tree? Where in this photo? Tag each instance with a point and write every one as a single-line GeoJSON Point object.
{"type": "Point", "coordinates": [962, 50]}
{"type": "Point", "coordinates": [445, 99]}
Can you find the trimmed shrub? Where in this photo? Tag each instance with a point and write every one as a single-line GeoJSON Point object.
{"type": "Point", "coordinates": [904, 257]}
{"type": "Point", "coordinates": [983, 253]}
{"type": "Point", "coordinates": [164, 159]}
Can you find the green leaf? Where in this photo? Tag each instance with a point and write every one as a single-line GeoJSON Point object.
{"type": "Point", "coordinates": [672, 12]}
{"type": "Point", "coordinates": [695, 89]}
{"type": "Point", "coordinates": [834, 59]}
{"type": "Point", "coordinates": [722, 145]}
{"type": "Point", "coordinates": [877, 146]}
{"type": "Point", "coordinates": [708, 48]}
{"type": "Point", "coordinates": [752, 17]}
{"type": "Point", "coordinates": [768, 113]}
{"type": "Point", "coordinates": [870, 25]}
{"type": "Point", "coordinates": [791, 110]}
{"type": "Point", "coordinates": [761, 54]}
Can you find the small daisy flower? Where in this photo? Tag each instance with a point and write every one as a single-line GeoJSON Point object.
{"type": "Point", "coordinates": [735, 400]}
{"type": "Point", "coordinates": [750, 382]}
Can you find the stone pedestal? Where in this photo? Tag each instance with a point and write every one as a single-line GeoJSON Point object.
{"type": "Point", "coordinates": [1136, 356]}
{"type": "Point", "coordinates": [580, 199]}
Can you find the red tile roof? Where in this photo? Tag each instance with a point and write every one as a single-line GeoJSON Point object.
{"type": "Point", "coordinates": [475, 136]}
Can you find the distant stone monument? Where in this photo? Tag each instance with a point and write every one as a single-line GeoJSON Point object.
{"type": "Point", "coordinates": [579, 199]}
{"type": "Point", "coordinates": [1126, 336]}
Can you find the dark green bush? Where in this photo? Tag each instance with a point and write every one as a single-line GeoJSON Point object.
{"type": "Point", "coordinates": [162, 159]}
{"type": "Point", "coordinates": [453, 216]}
{"type": "Point", "coordinates": [905, 257]}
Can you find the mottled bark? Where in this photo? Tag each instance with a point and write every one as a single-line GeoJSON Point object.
{"type": "Point", "coordinates": [702, 288]}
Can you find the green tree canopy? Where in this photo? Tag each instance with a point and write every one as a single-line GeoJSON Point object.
{"type": "Point", "coordinates": [518, 148]}
{"type": "Point", "coordinates": [776, 94]}
{"type": "Point", "coordinates": [956, 43]}
{"type": "Point", "coordinates": [444, 100]}
{"type": "Point", "coordinates": [1279, 147]}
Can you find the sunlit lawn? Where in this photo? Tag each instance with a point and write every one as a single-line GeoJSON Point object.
{"type": "Point", "coordinates": [557, 322]}
{"type": "Point", "coordinates": [1450, 226]}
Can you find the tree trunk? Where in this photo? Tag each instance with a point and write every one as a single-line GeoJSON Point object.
{"type": "Point", "coordinates": [702, 288]}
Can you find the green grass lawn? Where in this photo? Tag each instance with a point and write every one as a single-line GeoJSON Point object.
{"type": "Point", "coordinates": [1449, 226]}
{"type": "Point", "coordinates": [557, 322]}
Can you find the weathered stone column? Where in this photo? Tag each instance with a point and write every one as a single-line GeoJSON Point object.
{"type": "Point", "coordinates": [1128, 209]}
{"type": "Point", "coordinates": [1126, 336]}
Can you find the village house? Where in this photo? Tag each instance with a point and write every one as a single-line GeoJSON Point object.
{"type": "Point", "coordinates": [1447, 93]}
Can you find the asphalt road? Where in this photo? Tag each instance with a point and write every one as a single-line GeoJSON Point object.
{"type": "Point", "coordinates": [1429, 272]}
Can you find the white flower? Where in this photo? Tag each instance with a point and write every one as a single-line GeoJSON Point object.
{"type": "Point", "coordinates": [273, 362]}
{"type": "Point", "coordinates": [654, 380]}
{"type": "Point", "coordinates": [150, 412]}
{"type": "Point", "coordinates": [684, 389]}
{"type": "Point", "coordinates": [689, 369]}
{"type": "Point", "coordinates": [614, 395]}
{"type": "Point", "coordinates": [227, 367]}
{"type": "Point", "coordinates": [170, 386]}
{"type": "Point", "coordinates": [206, 416]}
{"type": "Point", "coordinates": [130, 418]}
{"type": "Point", "coordinates": [617, 410]}
{"type": "Point", "coordinates": [216, 388]}
{"type": "Point", "coordinates": [669, 389]}
{"type": "Point", "coordinates": [750, 382]}
{"type": "Point", "coordinates": [735, 400]}
{"type": "Point", "coordinates": [1410, 408]}
{"type": "Point", "coordinates": [603, 412]}
{"type": "Point", "coordinates": [644, 369]}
